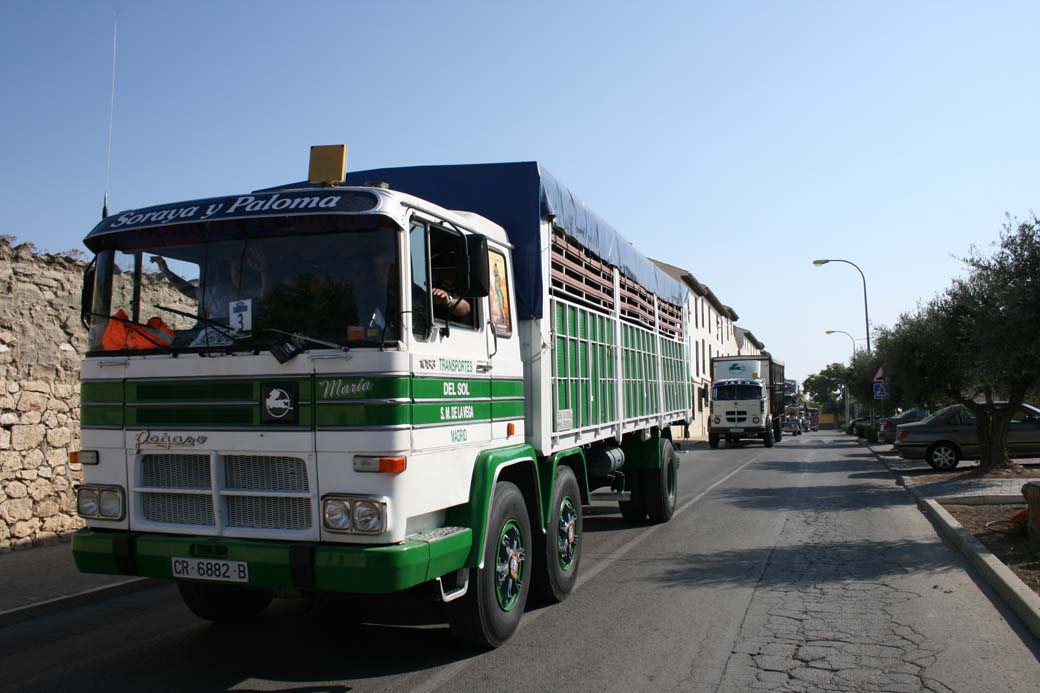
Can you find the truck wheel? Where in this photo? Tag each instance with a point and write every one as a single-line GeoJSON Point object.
{"type": "Point", "coordinates": [223, 604]}
{"type": "Point", "coordinates": [778, 432]}
{"type": "Point", "coordinates": [562, 543]}
{"type": "Point", "coordinates": [713, 441]}
{"type": "Point", "coordinates": [634, 510]}
{"type": "Point", "coordinates": [662, 484]}
{"type": "Point", "coordinates": [491, 610]}
{"type": "Point", "coordinates": [767, 438]}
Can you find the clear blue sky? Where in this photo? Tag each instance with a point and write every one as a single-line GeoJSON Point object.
{"type": "Point", "coordinates": [739, 142]}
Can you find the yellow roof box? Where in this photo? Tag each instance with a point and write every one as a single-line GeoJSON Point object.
{"type": "Point", "coordinates": [328, 164]}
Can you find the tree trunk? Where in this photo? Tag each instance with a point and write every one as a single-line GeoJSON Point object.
{"type": "Point", "coordinates": [992, 427]}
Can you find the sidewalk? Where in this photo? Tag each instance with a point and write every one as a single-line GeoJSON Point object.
{"type": "Point", "coordinates": [914, 476]}
{"type": "Point", "coordinates": [33, 579]}
{"type": "Point", "coordinates": [917, 473]}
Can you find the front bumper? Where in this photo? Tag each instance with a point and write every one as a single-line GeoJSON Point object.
{"type": "Point", "coordinates": [275, 564]}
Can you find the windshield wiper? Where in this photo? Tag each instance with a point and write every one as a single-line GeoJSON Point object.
{"type": "Point", "coordinates": [288, 349]}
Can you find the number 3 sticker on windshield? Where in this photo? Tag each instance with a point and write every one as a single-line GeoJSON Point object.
{"type": "Point", "coordinates": [240, 313]}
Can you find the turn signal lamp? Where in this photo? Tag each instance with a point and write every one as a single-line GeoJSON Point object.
{"type": "Point", "coordinates": [386, 465]}
{"type": "Point", "coordinates": [83, 457]}
{"type": "Point", "coordinates": [328, 164]}
{"type": "Point", "coordinates": [510, 430]}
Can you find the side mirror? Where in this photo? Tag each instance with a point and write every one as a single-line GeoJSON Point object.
{"type": "Point", "coordinates": [473, 271]}
{"type": "Point", "coordinates": [86, 304]}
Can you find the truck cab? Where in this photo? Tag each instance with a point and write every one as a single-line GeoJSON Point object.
{"type": "Point", "coordinates": [739, 409]}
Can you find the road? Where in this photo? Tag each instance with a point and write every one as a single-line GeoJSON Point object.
{"type": "Point", "coordinates": [801, 567]}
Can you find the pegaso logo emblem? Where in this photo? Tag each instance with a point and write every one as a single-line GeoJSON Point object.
{"type": "Point", "coordinates": [737, 367]}
{"type": "Point", "coordinates": [280, 403]}
{"type": "Point", "coordinates": [165, 440]}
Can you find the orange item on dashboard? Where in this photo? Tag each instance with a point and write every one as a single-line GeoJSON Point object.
{"type": "Point", "coordinates": [121, 334]}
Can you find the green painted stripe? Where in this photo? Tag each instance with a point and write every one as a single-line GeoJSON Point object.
{"type": "Point", "coordinates": [100, 416]}
{"type": "Point", "coordinates": [363, 387]}
{"type": "Point", "coordinates": [362, 415]}
{"type": "Point", "coordinates": [193, 416]}
{"type": "Point", "coordinates": [101, 392]}
{"type": "Point", "coordinates": [507, 388]}
{"type": "Point", "coordinates": [512, 409]}
{"type": "Point", "coordinates": [450, 412]}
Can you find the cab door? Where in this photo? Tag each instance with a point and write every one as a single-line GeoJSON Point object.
{"type": "Point", "coordinates": [450, 362]}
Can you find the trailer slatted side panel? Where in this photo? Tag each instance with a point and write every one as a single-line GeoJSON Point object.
{"type": "Point", "coordinates": [675, 364]}
{"type": "Point", "coordinates": [584, 367]}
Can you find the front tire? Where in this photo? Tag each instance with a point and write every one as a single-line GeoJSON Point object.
{"type": "Point", "coordinates": [767, 438]}
{"type": "Point", "coordinates": [562, 544]}
{"type": "Point", "coordinates": [713, 441]}
{"type": "Point", "coordinates": [662, 485]}
{"type": "Point", "coordinates": [943, 456]}
{"type": "Point", "coordinates": [223, 604]}
{"type": "Point", "coordinates": [491, 610]}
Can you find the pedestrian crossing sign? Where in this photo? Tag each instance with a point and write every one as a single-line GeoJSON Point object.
{"type": "Point", "coordinates": [880, 390]}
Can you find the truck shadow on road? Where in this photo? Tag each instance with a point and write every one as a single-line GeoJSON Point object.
{"type": "Point", "coordinates": [814, 564]}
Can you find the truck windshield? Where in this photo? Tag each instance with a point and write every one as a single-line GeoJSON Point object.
{"type": "Point", "coordinates": [242, 294]}
{"type": "Point", "coordinates": [735, 392]}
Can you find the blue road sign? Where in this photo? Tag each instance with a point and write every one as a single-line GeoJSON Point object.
{"type": "Point", "coordinates": [880, 390]}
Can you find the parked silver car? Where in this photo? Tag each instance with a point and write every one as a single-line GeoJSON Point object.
{"type": "Point", "coordinates": [949, 435]}
{"type": "Point", "coordinates": [887, 427]}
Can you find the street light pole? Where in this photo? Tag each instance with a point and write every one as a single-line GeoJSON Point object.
{"type": "Point", "coordinates": [866, 313]}
{"type": "Point", "coordinates": [853, 340]}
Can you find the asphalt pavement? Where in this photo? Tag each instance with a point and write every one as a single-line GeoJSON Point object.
{"type": "Point", "coordinates": [801, 567]}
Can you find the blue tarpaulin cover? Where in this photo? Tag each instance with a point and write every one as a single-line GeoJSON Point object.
{"type": "Point", "coordinates": [518, 196]}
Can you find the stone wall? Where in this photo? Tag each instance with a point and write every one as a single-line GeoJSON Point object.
{"type": "Point", "coordinates": [42, 342]}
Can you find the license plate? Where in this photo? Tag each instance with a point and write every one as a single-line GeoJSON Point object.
{"type": "Point", "coordinates": [209, 569]}
{"type": "Point", "coordinates": [736, 430]}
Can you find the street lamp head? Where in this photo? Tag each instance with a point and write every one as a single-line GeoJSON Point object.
{"type": "Point", "coordinates": [830, 332]}
{"type": "Point", "coordinates": [820, 263]}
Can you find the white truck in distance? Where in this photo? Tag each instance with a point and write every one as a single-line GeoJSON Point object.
{"type": "Point", "coordinates": [747, 399]}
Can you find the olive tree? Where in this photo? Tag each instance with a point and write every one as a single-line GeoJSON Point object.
{"type": "Point", "coordinates": [978, 343]}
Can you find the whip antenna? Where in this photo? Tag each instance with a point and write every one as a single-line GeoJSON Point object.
{"type": "Point", "coordinates": [111, 114]}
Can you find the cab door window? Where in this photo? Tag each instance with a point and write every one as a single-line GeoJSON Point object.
{"type": "Point", "coordinates": [448, 306]}
{"type": "Point", "coordinates": [422, 319]}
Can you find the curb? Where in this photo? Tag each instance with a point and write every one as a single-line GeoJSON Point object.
{"type": "Point", "coordinates": [1022, 599]}
{"type": "Point", "coordinates": [96, 594]}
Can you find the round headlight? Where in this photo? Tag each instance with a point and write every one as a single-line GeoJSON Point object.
{"type": "Point", "coordinates": [87, 502]}
{"type": "Point", "coordinates": [755, 420]}
{"type": "Point", "coordinates": [337, 514]}
{"type": "Point", "coordinates": [111, 504]}
{"type": "Point", "coordinates": [368, 516]}
{"type": "Point", "coordinates": [717, 420]}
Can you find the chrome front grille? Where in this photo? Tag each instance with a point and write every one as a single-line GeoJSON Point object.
{"type": "Point", "coordinates": [178, 508]}
{"type": "Point", "coordinates": [257, 473]}
{"type": "Point", "coordinates": [259, 512]}
{"type": "Point", "coordinates": [253, 491]}
{"type": "Point", "coordinates": [175, 471]}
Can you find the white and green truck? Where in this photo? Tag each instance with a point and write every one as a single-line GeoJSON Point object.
{"type": "Point", "coordinates": [401, 378]}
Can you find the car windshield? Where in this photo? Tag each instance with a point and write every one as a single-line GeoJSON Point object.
{"type": "Point", "coordinates": [338, 288]}
{"type": "Point", "coordinates": [735, 392]}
